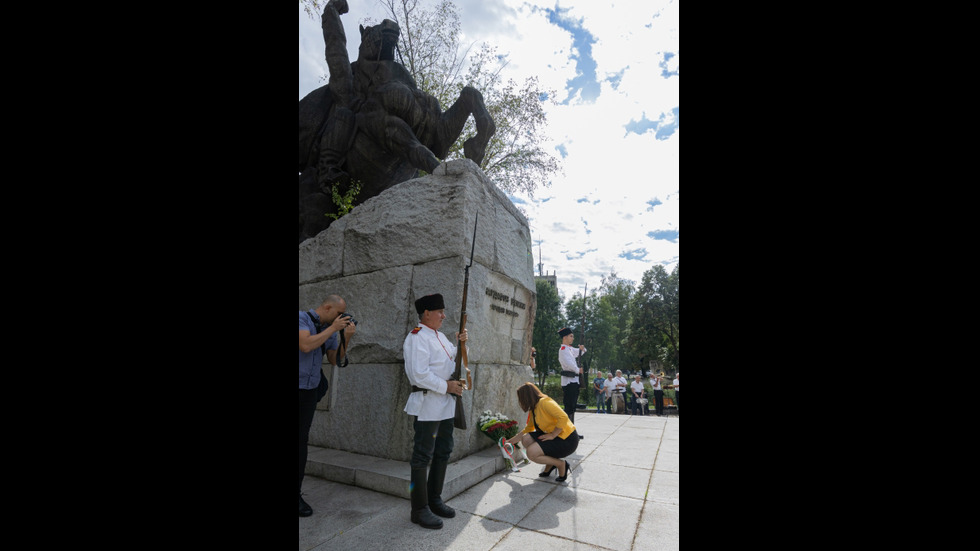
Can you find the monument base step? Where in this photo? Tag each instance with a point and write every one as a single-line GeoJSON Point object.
{"type": "Point", "coordinates": [393, 477]}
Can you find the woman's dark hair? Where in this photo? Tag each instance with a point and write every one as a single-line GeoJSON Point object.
{"type": "Point", "coordinates": [528, 396]}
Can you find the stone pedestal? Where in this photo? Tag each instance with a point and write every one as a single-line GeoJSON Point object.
{"type": "Point", "coordinates": [412, 240]}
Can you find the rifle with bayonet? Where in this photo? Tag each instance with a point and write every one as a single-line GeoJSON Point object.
{"type": "Point", "coordinates": [459, 420]}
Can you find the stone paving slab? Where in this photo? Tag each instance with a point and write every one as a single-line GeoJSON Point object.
{"type": "Point", "coordinates": [625, 474]}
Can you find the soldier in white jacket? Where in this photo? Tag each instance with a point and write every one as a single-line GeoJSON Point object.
{"type": "Point", "coordinates": [430, 359]}
{"type": "Point", "coordinates": [570, 372]}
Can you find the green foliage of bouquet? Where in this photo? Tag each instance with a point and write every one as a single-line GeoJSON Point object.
{"type": "Point", "coordinates": [495, 426]}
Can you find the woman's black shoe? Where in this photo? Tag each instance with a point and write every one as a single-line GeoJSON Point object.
{"type": "Point", "coordinates": [568, 468]}
{"type": "Point", "coordinates": [304, 508]}
{"type": "Point", "coordinates": [547, 472]}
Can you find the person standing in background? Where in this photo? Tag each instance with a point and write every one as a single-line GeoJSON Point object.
{"type": "Point", "coordinates": [677, 392]}
{"type": "Point", "coordinates": [600, 393]}
{"type": "Point", "coordinates": [619, 390]}
{"type": "Point", "coordinates": [569, 372]}
{"type": "Point", "coordinates": [607, 388]}
{"type": "Point", "coordinates": [658, 393]}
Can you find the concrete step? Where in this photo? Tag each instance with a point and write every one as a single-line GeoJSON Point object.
{"type": "Point", "coordinates": [393, 477]}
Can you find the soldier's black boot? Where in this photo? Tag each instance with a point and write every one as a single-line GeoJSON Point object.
{"type": "Point", "coordinates": [420, 505]}
{"type": "Point", "coordinates": [437, 476]}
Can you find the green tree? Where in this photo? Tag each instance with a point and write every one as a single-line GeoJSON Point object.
{"type": "Point", "coordinates": [548, 319]}
{"type": "Point", "coordinates": [615, 296]}
{"type": "Point", "coordinates": [654, 332]}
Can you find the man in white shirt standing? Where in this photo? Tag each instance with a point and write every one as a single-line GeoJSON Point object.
{"type": "Point", "coordinates": [658, 393]}
{"type": "Point", "coordinates": [620, 388]}
{"type": "Point", "coordinates": [677, 391]}
{"type": "Point", "coordinates": [430, 360]}
{"type": "Point", "coordinates": [569, 372]}
{"type": "Point", "coordinates": [607, 388]}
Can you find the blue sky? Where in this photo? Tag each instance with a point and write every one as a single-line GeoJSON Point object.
{"type": "Point", "coordinates": [615, 69]}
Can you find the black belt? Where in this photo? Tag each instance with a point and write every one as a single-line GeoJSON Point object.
{"type": "Point", "coordinates": [417, 389]}
{"type": "Point", "coordinates": [569, 374]}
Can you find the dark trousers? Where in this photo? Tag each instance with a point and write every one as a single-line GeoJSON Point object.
{"type": "Point", "coordinates": [433, 445]}
{"type": "Point", "coordinates": [433, 442]}
{"type": "Point", "coordinates": [600, 402]}
{"type": "Point", "coordinates": [644, 410]}
{"type": "Point", "coordinates": [677, 400]}
{"type": "Point", "coordinates": [658, 398]}
{"type": "Point", "coordinates": [307, 407]}
{"type": "Point", "coordinates": [570, 399]}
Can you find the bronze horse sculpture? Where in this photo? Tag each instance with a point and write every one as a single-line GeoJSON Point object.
{"type": "Point", "coordinates": [372, 124]}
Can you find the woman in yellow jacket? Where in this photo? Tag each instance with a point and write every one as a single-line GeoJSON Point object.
{"type": "Point", "coordinates": [549, 435]}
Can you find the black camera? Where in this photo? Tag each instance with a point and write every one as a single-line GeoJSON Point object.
{"type": "Point", "coordinates": [352, 320]}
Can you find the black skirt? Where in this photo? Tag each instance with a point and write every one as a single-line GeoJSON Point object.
{"type": "Point", "coordinates": [557, 447]}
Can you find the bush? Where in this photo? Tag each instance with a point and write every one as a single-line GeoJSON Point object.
{"type": "Point", "coordinates": [553, 389]}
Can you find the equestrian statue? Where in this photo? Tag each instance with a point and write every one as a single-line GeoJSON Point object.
{"type": "Point", "coordinates": [372, 124]}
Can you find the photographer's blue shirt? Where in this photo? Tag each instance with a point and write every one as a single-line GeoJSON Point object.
{"type": "Point", "coordinates": [310, 362]}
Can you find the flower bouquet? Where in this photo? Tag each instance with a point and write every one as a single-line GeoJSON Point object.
{"type": "Point", "coordinates": [499, 429]}
{"type": "Point", "coordinates": [496, 426]}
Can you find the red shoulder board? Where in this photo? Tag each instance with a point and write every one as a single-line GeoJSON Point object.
{"type": "Point", "coordinates": [562, 347]}
{"type": "Point", "coordinates": [416, 330]}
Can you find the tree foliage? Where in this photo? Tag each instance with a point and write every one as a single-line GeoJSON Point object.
{"type": "Point", "coordinates": [428, 45]}
{"type": "Point", "coordinates": [549, 318]}
{"type": "Point", "coordinates": [615, 296]}
{"type": "Point", "coordinates": [515, 160]}
{"type": "Point", "coordinates": [313, 8]}
{"type": "Point", "coordinates": [655, 329]}
{"type": "Point", "coordinates": [344, 201]}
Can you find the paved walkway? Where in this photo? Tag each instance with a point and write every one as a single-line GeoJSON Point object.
{"type": "Point", "coordinates": [622, 495]}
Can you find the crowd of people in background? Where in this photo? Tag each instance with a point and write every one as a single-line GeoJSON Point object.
{"type": "Point", "coordinates": [613, 394]}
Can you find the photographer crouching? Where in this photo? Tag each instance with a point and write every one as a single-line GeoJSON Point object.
{"type": "Point", "coordinates": [325, 330]}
